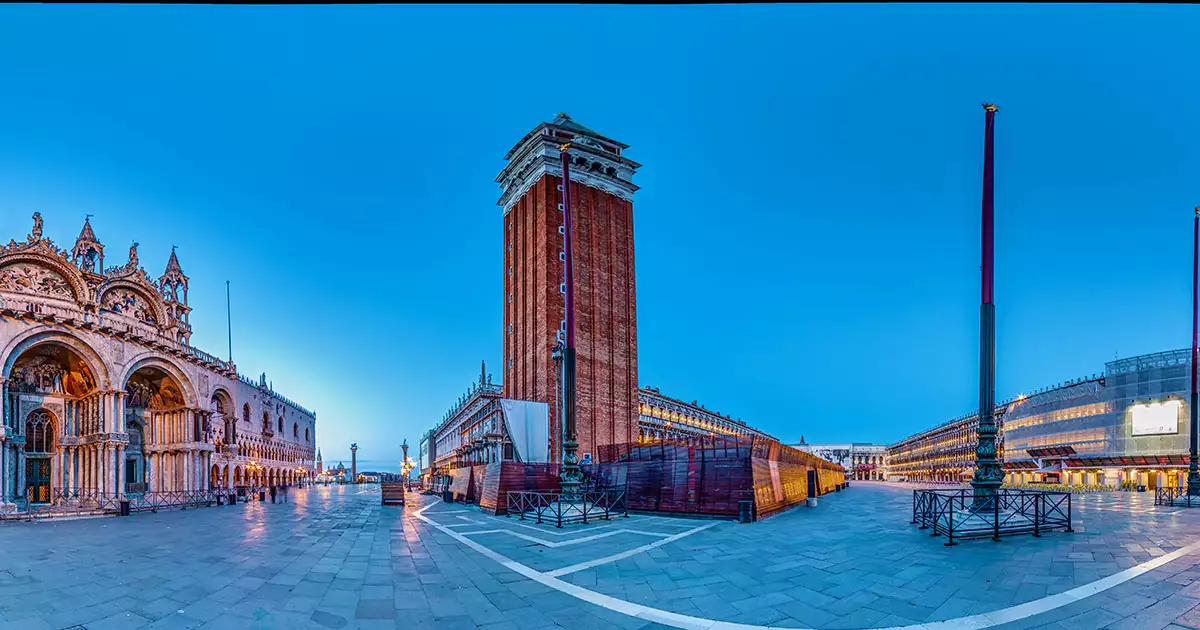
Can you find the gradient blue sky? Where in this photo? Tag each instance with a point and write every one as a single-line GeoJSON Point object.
{"type": "Point", "coordinates": [808, 225]}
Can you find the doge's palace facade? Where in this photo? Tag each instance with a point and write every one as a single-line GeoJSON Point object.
{"type": "Point", "coordinates": [103, 395]}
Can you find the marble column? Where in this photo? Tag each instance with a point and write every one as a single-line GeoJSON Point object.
{"type": "Point", "coordinates": [20, 490]}
{"type": "Point", "coordinates": [3, 464]}
{"type": "Point", "coordinates": [113, 465]}
{"type": "Point", "coordinates": [119, 407]}
{"type": "Point", "coordinates": [121, 470]}
{"type": "Point", "coordinates": [106, 409]}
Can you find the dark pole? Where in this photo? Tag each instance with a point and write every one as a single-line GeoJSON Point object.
{"type": "Point", "coordinates": [1193, 484]}
{"type": "Point", "coordinates": [571, 477]}
{"type": "Point", "coordinates": [229, 320]}
{"type": "Point", "coordinates": [988, 474]}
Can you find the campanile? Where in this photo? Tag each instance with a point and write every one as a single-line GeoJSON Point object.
{"type": "Point", "coordinates": [605, 296]}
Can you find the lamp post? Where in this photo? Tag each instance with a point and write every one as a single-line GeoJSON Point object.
{"type": "Point", "coordinates": [1193, 480]}
{"type": "Point", "coordinates": [988, 474]}
{"type": "Point", "coordinates": [571, 476]}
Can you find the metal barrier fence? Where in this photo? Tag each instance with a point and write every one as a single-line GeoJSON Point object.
{"type": "Point", "coordinates": [547, 506]}
{"type": "Point", "coordinates": [1176, 497]}
{"type": "Point", "coordinates": [65, 501]}
{"type": "Point", "coordinates": [154, 501]}
{"type": "Point", "coordinates": [952, 513]}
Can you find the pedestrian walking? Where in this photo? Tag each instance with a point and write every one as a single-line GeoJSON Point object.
{"type": "Point", "coordinates": [273, 492]}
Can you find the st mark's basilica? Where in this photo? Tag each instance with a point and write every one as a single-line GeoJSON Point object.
{"type": "Point", "coordinates": [104, 396]}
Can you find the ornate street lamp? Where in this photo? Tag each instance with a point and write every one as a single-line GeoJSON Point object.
{"type": "Point", "coordinates": [1193, 480]}
{"type": "Point", "coordinates": [988, 473]}
{"type": "Point", "coordinates": [571, 476]}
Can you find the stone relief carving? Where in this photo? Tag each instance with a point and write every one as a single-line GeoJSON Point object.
{"type": "Point", "coordinates": [129, 303]}
{"type": "Point", "coordinates": [34, 279]}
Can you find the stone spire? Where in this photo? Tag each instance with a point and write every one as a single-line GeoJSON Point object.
{"type": "Point", "coordinates": [173, 267]}
{"type": "Point", "coordinates": [482, 373]}
{"type": "Point", "coordinates": [173, 286]}
{"type": "Point", "coordinates": [88, 253]}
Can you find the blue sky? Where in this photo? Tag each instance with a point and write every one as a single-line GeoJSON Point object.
{"type": "Point", "coordinates": [807, 230]}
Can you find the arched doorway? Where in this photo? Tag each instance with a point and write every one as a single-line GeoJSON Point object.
{"type": "Point", "coordinates": [156, 408]}
{"type": "Point", "coordinates": [52, 399]}
{"type": "Point", "coordinates": [214, 477]}
{"type": "Point", "coordinates": [39, 448]}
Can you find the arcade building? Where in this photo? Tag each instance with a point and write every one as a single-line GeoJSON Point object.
{"type": "Point", "coordinates": [1127, 427]}
{"type": "Point", "coordinates": [103, 395]}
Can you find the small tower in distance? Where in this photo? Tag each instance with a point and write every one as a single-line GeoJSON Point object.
{"type": "Point", "coordinates": [88, 253]}
{"type": "Point", "coordinates": [319, 467]}
{"type": "Point", "coordinates": [170, 285]}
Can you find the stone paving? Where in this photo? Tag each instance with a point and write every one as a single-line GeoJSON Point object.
{"type": "Point", "coordinates": [334, 558]}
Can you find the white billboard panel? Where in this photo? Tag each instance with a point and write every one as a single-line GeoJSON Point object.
{"type": "Point", "coordinates": [1156, 418]}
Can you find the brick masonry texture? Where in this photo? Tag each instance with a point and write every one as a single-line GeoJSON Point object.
{"type": "Point", "coordinates": [606, 304]}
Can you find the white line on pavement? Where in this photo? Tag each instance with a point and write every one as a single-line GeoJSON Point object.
{"type": "Point", "coordinates": [563, 543]}
{"type": "Point", "coordinates": [625, 554]}
{"type": "Point", "coordinates": [687, 622]}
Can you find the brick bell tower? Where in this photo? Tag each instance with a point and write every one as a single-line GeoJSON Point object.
{"type": "Point", "coordinates": [605, 296]}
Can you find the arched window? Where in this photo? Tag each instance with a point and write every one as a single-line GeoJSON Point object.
{"type": "Point", "coordinates": [281, 426]}
{"type": "Point", "coordinates": [39, 432]}
{"type": "Point", "coordinates": [295, 430]}
{"type": "Point", "coordinates": [305, 434]}
{"type": "Point", "coordinates": [246, 413]}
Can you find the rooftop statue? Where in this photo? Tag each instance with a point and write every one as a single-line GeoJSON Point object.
{"type": "Point", "coordinates": [37, 227]}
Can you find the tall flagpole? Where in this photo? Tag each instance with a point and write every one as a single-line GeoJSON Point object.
{"type": "Point", "coordinates": [988, 474]}
{"type": "Point", "coordinates": [571, 476]}
{"type": "Point", "coordinates": [229, 320]}
{"type": "Point", "coordinates": [1193, 483]}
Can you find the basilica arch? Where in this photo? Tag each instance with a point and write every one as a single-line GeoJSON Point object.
{"type": "Point", "coordinates": [177, 448]}
{"type": "Point", "coordinates": [58, 414]}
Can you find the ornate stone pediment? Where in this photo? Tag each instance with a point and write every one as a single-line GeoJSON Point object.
{"type": "Point", "coordinates": [134, 297]}
{"type": "Point", "coordinates": [34, 279]}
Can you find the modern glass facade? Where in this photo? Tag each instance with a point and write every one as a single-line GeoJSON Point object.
{"type": "Point", "coordinates": [1127, 426]}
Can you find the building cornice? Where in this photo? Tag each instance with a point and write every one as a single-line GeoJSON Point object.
{"type": "Point", "coordinates": [539, 155]}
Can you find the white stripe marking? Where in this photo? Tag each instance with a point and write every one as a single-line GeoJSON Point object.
{"type": "Point", "coordinates": [665, 617]}
{"type": "Point", "coordinates": [625, 554]}
{"type": "Point", "coordinates": [564, 543]}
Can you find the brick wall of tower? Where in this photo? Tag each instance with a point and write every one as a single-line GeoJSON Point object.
{"type": "Point", "coordinates": [606, 304]}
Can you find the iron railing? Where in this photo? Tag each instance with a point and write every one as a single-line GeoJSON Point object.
{"type": "Point", "coordinates": [73, 500]}
{"type": "Point", "coordinates": [1176, 497]}
{"type": "Point", "coordinates": [955, 514]}
{"type": "Point", "coordinates": [155, 501]}
{"type": "Point", "coordinates": [548, 506]}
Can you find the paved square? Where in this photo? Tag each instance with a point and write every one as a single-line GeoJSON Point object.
{"type": "Point", "coordinates": [334, 558]}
